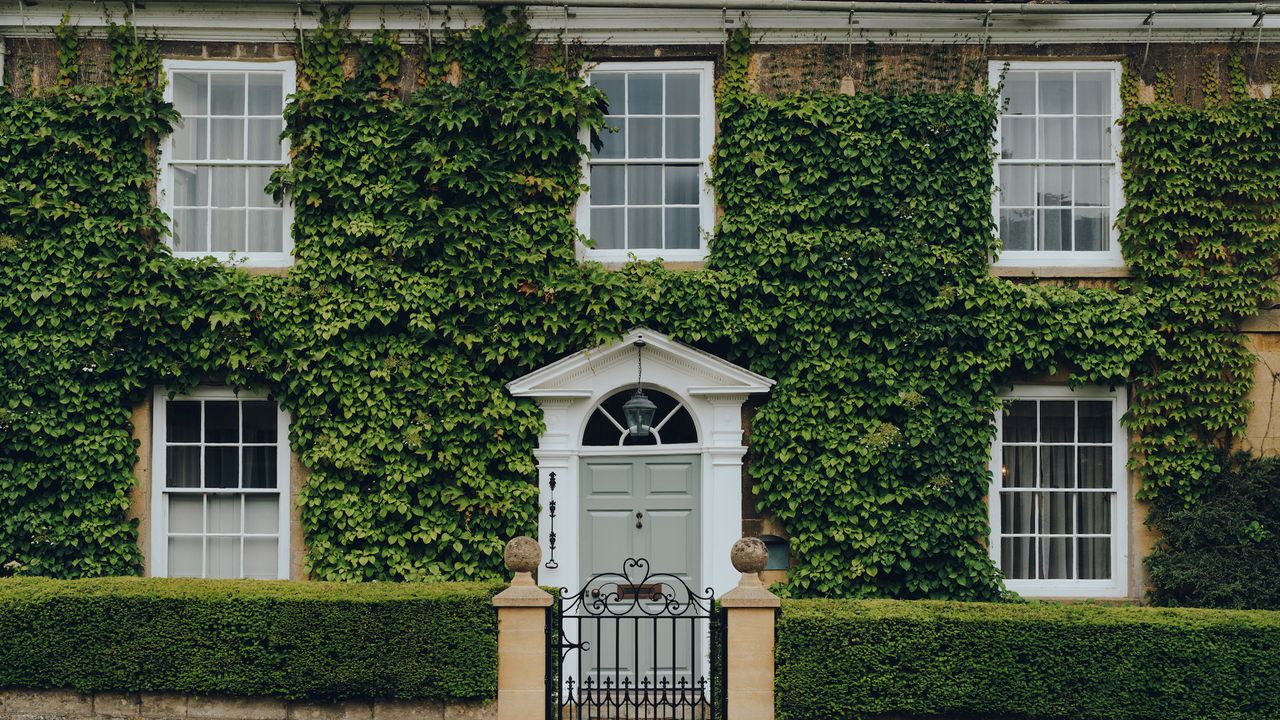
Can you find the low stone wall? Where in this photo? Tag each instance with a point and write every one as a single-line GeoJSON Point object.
{"type": "Point", "coordinates": [18, 704]}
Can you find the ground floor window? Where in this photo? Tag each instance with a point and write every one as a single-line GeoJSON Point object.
{"type": "Point", "coordinates": [1059, 492]}
{"type": "Point", "coordinates": [220, 486]}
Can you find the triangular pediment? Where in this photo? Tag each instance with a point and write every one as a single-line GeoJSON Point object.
{"type": "Point", "coordinates": [576, 375]}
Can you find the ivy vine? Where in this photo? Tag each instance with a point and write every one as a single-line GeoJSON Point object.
{"type": "Point", "coordinates": [435, 261]}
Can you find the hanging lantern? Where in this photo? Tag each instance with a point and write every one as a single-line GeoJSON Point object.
{"type": "Point", "coordinates": [638, 411]}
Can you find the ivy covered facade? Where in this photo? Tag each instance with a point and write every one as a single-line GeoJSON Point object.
{"type": "Point", "coordinates": [338, 307]}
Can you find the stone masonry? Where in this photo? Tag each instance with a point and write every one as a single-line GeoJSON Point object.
{"type": "Point", "coordinates": [19, 704]}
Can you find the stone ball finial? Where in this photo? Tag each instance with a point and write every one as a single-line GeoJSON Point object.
{"type": "Point", "coordinates": [749, 555]}
{"type": "Point", "coordinates": [522, 554]}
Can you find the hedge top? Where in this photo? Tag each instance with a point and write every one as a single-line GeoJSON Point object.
{"type": "Point", "coordinates": [1032, 612]}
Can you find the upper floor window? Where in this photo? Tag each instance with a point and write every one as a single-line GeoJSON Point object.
{"type": "Point", "coordinates": [220, 157]}
{"type": "Point", "coordinates": [220, 488]}
{"type": "Point", "coordinates": [1058, 170]}
{"type": "Point", "coordinates": [1058, 500]}
{"type": "Point", "coordinates": [647, 172]}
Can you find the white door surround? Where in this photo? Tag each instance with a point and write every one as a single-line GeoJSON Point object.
{"type": "Point", "coordinates": [713, 390]}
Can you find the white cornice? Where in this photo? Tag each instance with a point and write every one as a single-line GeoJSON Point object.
{"type": "Point", "coordinates": [275, 22]}
{"type": "Point", "coordinates": [558, 380]}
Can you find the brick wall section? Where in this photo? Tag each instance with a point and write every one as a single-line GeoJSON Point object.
{"type": "Point", "coordinates": [16, 704]}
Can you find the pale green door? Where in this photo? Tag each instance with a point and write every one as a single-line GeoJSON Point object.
{"type": "Point", "coordinates": [644, 507]}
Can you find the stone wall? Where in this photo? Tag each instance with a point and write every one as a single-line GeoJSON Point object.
{"type": "Point", "coordinates": [18, 704]}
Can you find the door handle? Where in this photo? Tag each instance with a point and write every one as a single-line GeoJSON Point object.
{"type": "Point", "coordinates": [639, 520]}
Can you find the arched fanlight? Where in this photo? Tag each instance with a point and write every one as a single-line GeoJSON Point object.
{"type": "Point", "coordinates": [638, 411]}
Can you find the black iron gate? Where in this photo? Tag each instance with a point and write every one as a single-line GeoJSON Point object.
{"type": "Point", "coordinates": [636, 645]}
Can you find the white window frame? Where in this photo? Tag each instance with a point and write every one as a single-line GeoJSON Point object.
{"type": "Point", "coordinates": [706, 197]}
{"type": "Point", "coordinates": [159, 504]}
{"type": "Point", "coordinates": [1118, 585]}
{"type": "Point", "coordinates": [1112, 258]}
{"type": "Point", "coordinates": [281, 259]}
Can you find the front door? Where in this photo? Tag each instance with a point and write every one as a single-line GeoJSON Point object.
{"type": "Point", "coordinates": [643, 507]}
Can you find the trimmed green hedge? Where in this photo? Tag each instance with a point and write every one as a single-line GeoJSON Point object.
{"type": "Point", "coordinates": [860, 659]}
{"type": "Point", "coordinates": [285, 639]}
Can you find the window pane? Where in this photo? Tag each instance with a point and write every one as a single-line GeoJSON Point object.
{"type": "Point", "coordinates": [184, 557]}
{"type": "Point", "coordinates": [190, 185]}
{"type": "Point", "coordinates": [1017, 558]}
{"type": "Point", "coordinates": [1095, 559]}
{"type": "Point", "coordinates": [1057, 467]}
{"type": "Point", "coordinates": [644, 185]}
{"type": "Point", "coordinates": [223, 557]}
{"type": "Point", "coordinates": [223, 514]}
{"type": "Point", "coordinates": [645, 139]}
{"type": "Point", "coordinates": [613, 85]}
{"type": "Point", "coordinates": [186, 513]}
{"type": "Point", "coordinates": [1093, 138]}
{"type": "Point", "coordinates": [226, 139]}
{"type": "Point", "coordinates": [1091, 230]}
{"type": "Point", "coordinates": [191, 93]}
{"type": "Point", "coordinates": [644, 227]}
{"type": "Point", "coordinates": [190, 230]}
{"type": "Point", "coordinates": [228, 187]}
{"type": "Point", "coordinates": [226, 230]}
{"type": "Point", "coordinates": [644, 94]}
{"type": "Point", "coordinates": [1095, 513]}
{"type": "Point", "coordinates": [1056, 138]}
{"type": "Point", "coordinates": [608, 185]}
{"type": "Point", "coordinates": [264, 139]}
{"type": "Point", "coordinates": [1055, 227]}
{"type": "Point", "coordinates": [1095, 467]}
{"type": "Point", "coordinates": [1017, 513]}
{"type": "Point", "coordinates": [1019, 94]}
{"type": "Point", "coordinates": [259, 421]}
{"type": "Point", "coordinates": [1055, 558]}
{"type": "Point", "coordinates": [260, 467]}
{"type": "Point", "coordinates": [1095, 421]}
{"type": "Point", "coordinates": [266, 93]}
{"type": "Point", "coordinates": [226, 94]}
{"type": "Point", "coordinates": [1057, 93]}
{"type": "Point", "coordinates": [1055, 185]}
{"type": "Point", "coordinates": [607, 228]}
{"type": "Point", "coordinates": [261, 514]}
{"type": "Point", "coordinates": [1057, 513]}
{"type": "Point", "coordinates": [261, 558]}
{"type": "Point", "coordinates": [1017, 185]}
{"type": "Point", "coordinates": [1093, 93]}
{"type": "Point", "coordinates": [682, 94]}
{"type": "Point", "coordinates": [221, 467]}
{"type": "Point", "coordinates": [1057, 421]}
{"type": "Point", "coordinates": [1018, 138]}
{"type": "Point", "coordinates": [182, 467]}
{"type": "Point", "coordinates": [1018, 467]}
{"type": "Point", "coordinates": [682, 137]}
{"type": "Point", "coordinates": [1020, 421]}
{"type": "Point", "coordinates": [612, 139]}
{"type": "Point", "coordinates": [182, 421]}
{"type": "Point", "coordinates": [256, 179]}
{"type": "Point", "coordinates": [682, 185]}
{"type": "Point", "coordinates": [1018, 229]}
{"type": "Point", "coordinates": [266, 230]}
{"type": "Point", "coordinates": [190, 140]}
{"type": "Point", "coordinates": [682, 228]}
{"type": "Point", "coordinates": [1092, 185]}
